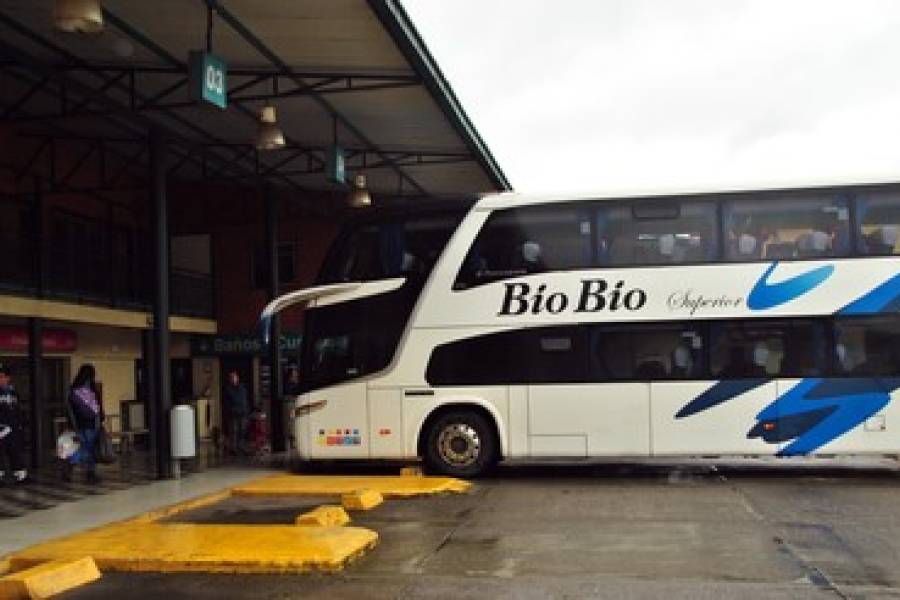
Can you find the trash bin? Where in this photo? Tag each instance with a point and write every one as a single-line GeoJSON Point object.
{"type": "Point", "coordinates": [183, 431]}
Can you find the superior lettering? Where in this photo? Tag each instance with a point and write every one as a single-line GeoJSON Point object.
{"type": "Point", "coordinates": [693, 303]}
{"type": "Point", "coordinates": [595, 295]}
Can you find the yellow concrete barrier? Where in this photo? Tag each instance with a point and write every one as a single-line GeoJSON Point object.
{"type": "Point", "coordinates": [393, 486]}
{"type": "Point", "coordinates": [324, 516]}
{"type": "Point", "coordinates": [48, 579]}
{"type": "Point", "coordinates": [411, 472]}
{"type": "Point", "coordinates": [178, 547]}
{"type": "Point", "coordinates": [361, 500]}
{"type": "Point", "coordinates": [145, 544]}
{"type": "Point", "coordinates": [184, 506]}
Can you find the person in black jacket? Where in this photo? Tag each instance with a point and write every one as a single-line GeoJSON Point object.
{"type": "Point", "coordinates": [86, 417]}
{"type": "Point", "coordinates": [236, 409]}
{"type": "Point", "coordinates": [10, 429]}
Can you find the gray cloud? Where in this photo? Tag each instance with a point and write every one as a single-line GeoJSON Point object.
{"type": "Point", "coordinates": [591, 95]}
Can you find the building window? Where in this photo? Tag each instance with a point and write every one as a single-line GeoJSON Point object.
{"type": "Point", "coordinates": [287, 272]}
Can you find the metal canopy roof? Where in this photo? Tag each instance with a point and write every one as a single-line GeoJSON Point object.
{"type": "Point", "coordinates": [349, 71]}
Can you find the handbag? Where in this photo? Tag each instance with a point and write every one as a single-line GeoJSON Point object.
{"type": "Point", "coordinates": [105, 452]}
{"type": "Point", "coordinates": [67, 444]}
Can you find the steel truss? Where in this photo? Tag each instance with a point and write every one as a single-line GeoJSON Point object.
{"type": "Point", "coordinates": [123, 96]}
{"type": "Point", "coordinates": [174, 82]}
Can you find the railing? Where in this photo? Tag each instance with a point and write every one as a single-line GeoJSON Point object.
{"type": "Point", "coordinates": [92, 276]}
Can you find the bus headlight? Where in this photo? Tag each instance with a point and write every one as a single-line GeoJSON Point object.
{"type": "Point", "coordinates": [308, 408]}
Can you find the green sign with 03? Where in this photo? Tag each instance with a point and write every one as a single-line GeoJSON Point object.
{"type": "Point", "coordinates": [208, 78]}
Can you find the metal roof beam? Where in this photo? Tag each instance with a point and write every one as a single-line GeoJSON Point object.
{"type": "Point", "coordinates": [174, 62]}
{"type": "Point", "coordinates": [260, 46]}
{"type": "Point", "coordinates": [20, 58]}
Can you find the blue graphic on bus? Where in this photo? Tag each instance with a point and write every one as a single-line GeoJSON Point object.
{"type": "Point", "coordinates": [720, 392]}
{"type": "Point", "coordinates": [884, 298]}
{"type": "Point", "coordinates": [769, 295]}
{"type": "Point", "coordinates": [812, 413]}
{"type": "Point", "coordinates": [817, 411]}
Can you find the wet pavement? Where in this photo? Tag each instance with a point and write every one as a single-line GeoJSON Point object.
{"type": "Point", "coordinates": [629, 531]}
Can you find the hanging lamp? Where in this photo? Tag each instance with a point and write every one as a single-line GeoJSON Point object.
{"type": "Point", "coordinates": [359, 194]}
{"type": "Point", "coordinates": [78, 16]}
{"type": "Point", "coordinates": [268, 134]}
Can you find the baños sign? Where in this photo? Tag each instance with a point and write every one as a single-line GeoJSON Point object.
{"type": "Point", "coordinates": [247, 344]}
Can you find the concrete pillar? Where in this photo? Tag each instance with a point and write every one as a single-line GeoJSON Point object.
{"type": "Point", "coordinates": [161, 401]}
{"type": "Point", "coordinates": [276, 418]}
{"type": "Point", "coordinates": [35, 358]}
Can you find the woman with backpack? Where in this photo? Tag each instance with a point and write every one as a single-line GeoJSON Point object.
{"type": "Point", "coordinates": [86, 417]}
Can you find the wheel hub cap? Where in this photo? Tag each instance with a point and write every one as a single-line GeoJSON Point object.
{"type": "Point", "coordinates": [459, 444]}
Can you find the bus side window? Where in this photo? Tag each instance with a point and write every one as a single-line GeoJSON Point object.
{"type": "Point", "coordinates": [652, 234]}
{"type": "Point", "coordinates": [786, 228]}
{"type": "Point", "coordinates": [868, 346]}
{"type": "Point", "coordinates": [646, 353]}
{"type": "Point", "coordinates": [755, 349]}
{"type": "Point", "coordinates": [531, 239]}
{"type": "Point", "coordinates": [878, 215]}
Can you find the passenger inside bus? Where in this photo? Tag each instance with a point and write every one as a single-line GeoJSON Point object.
{"type": "Point", "coordinates": [531, 257]}
{"type": "Point", "coordinates": [881, 240]}
{"type": "Point", "coordinates": [739, 367]}
{"type": "Point", "coordinates": [683, 362]}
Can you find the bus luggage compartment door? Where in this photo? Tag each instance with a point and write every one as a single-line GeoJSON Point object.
{"type": "Point", "coordinates": [579, 420]}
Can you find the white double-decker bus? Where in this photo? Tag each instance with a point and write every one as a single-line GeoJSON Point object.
{"type": "Point", "coordinates": [734, 323]}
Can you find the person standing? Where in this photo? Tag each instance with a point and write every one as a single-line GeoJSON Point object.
{"type": "Point", "coordinates": [86, 416]}
{"type": "Point", "coordinates": [10, 429]}
{"type": "Point", "coordinates": [292, 389]}
{"type": "Point", "coordinates": [236, 405]}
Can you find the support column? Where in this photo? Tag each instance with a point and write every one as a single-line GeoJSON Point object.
{"type": "Point", "coordinates": [162, 398]}
{"type": "Point", "coordinates": [35, 358]}
{"type": "Point", "coordinates": [277, 397]}
{"type": "Point", "coordinates": [146, 391]}
{"type": "Point", "coordinates": [39, 244]}
{"type": "Point", "coordinates": [36, 328]}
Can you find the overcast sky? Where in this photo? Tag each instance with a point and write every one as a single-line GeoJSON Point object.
{"type": "Point", "coordinates": [581, 95]}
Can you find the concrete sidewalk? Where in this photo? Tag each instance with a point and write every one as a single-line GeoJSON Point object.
{"type": "Point", "coordinates": [71, 517]}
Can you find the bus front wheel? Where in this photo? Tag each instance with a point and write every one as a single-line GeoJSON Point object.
{"type": "Point", "coordinates": [461, 444]}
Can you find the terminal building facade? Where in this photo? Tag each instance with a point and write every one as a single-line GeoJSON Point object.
{"type": "Point", "coordinates": [143, 231]}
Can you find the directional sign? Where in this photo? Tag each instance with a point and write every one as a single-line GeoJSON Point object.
{"type": "Point", "coordinates": [208, 74]}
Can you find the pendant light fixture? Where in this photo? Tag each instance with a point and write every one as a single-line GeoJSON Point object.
{"type": "Point", "coordinates": [359, 195]}
{"type": "Point", "coordinates": [268, 134]}
{"type": "Point", "coordinates": [78, 16]}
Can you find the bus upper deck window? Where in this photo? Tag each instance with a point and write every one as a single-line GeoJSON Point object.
{"type": "Point", "coordinates": [531, 239]}
{"type": "Point", "coordinates": [653, 233]}
{"type": "Point", "coordinates": [878, 214]}
{"type": "Point", "coordinates": [783, 228]}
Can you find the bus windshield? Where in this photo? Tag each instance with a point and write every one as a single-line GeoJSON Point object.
{"type": "Point", "coordinates": [398, 246]}
{"type": "Point", "coordinates": [349, 340]}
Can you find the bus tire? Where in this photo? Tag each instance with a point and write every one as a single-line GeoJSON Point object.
{"type": "Point", "coordinates": [461, 443]}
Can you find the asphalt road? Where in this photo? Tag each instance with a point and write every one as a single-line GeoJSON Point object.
{"type": "Point", "coordinates": [612, 531]}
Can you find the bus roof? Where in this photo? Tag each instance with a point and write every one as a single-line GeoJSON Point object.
{"type": "Point", "coordinates": [510, 199]}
